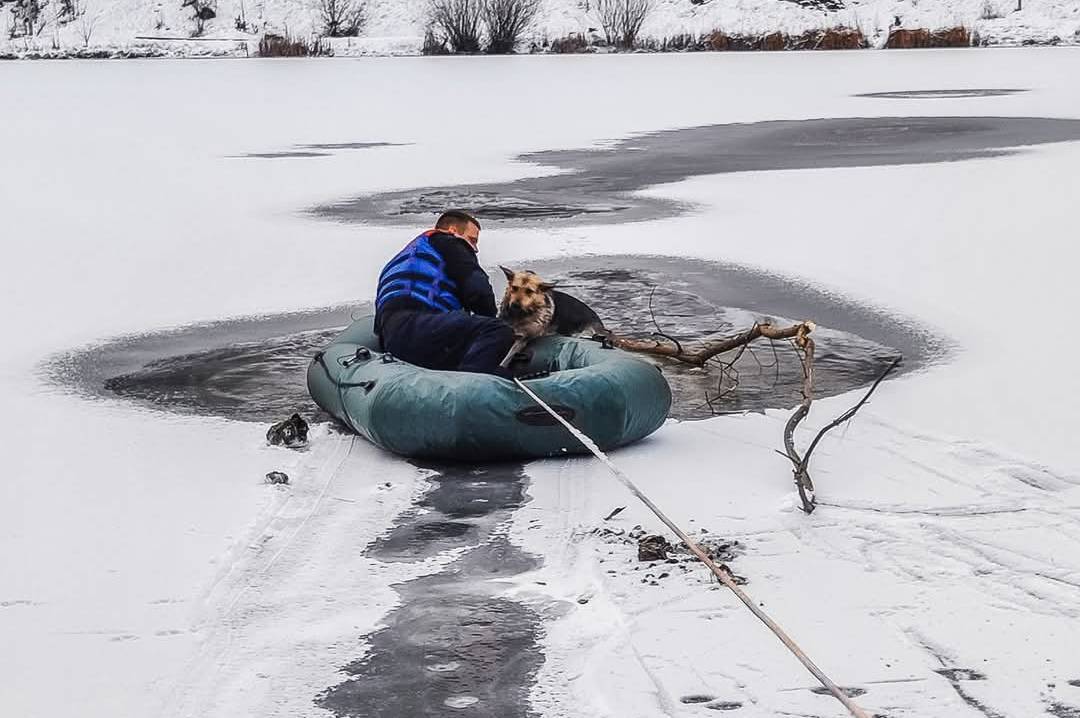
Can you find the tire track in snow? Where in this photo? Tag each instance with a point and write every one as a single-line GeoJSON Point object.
{"type": "Point", "coordinates": [283, 612]}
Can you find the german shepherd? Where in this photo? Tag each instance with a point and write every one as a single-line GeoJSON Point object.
{"type": "Point", "coordinates": [534, 308]}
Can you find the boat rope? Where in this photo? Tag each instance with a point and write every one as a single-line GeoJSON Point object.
{"type": "Point", "coordinates": [720, 571]}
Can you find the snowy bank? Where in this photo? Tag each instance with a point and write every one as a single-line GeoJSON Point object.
{"type": "Point", "coordinates": [131, 28]}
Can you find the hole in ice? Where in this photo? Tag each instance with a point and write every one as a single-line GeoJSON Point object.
{"type": "Point", "coordinates": [253, 369]}
{"type": "Point", "coordinates": [724, 705]}
{"type": "Point", "coordinates": [601, 184]}
{"type": "Point", "coordinates": [943, 94]}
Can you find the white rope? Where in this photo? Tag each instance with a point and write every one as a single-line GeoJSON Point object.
{"type": "Point", "coordinates": [720, 572]}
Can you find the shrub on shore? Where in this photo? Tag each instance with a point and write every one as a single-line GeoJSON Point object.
{"type": "Point", "coordinates": [621, 20]}
{"type": "Point", "coordinates": [341, 18]}
{"type": "Point", "coordinates": [506, 21]}
{"type": "Point", "coordinates": [902, 38]}
{"type": "Point", "coordinates": [457, 23]}
{"type": "Point", "coordinates": [834, 38]}
{"type": "Point", "coordinates": [573, 43]}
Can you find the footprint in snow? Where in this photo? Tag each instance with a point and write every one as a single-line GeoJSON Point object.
{"type": "Point", "coordinates": [1060, 710]}
{"type": "Point", "coordinates": [724, 705]}
{"type": "Point", "coordinates": [850, 692]}
{"type": "Point", "coordinates": [697, 698]}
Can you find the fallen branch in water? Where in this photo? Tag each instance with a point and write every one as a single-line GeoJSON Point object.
{"type": "Point", "coordinates": [701, 353]}
{"type": "Point", "coordinates": [671, 348]}
{"type": "Point", "coordinates": [798, 334]}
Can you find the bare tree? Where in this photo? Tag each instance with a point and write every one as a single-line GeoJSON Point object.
{"type": "Point", "coordinates": [433, 44]}
{"type": "Point", "coordinates": [459, 22]}
{"type": "Point", "coordinates": [507, 21]}
{"type": "Point", "coordinates": [28, 18]}
{"type": "Point", "coordinates": [202, 10]}
{"type": "Point", "coordinates": [341, 18]}
{"type": "Point", "coordinates": [621, 20]}
{"type": "Point", "coordinates": [86, 25]}
{"type": "Point", "coordinates": [68, 11]}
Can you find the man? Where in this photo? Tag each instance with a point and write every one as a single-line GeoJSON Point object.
{"type": "Point", "coordinates": [435, 307]}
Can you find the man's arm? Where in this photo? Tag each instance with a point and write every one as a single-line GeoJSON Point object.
{"type": "Point", "coordinates": [474, 287]}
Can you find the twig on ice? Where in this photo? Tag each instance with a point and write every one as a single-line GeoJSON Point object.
{"type": "Point", "coordinates": [853, 410]}
{"type": "Point", "coordinates": [800, 464]}
{"type": "Point", "coordinates": [804, 346]}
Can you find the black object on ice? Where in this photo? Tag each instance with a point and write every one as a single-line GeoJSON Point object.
{"type": "Point", "coordinates": [277, 477]}
{"type": "Point", "coordinates": [653, 548]}
{"type": "Point", "coordinates": [614, 513]}
{"type": "Point", "coordinates": [291, 432]}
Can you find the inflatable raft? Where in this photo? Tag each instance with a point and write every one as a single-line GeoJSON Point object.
{"type": "Point", "coordinates": [613, 397]}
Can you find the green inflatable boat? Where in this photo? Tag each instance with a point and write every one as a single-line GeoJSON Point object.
{"type": "Point", "coordinates": [613, 397]}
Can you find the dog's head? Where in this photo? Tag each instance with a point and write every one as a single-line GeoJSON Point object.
{"type": "Point", "coordinates": [526, 293]}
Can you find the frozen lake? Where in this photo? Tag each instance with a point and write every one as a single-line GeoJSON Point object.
{"type": "Point", "coordinates": [916, 202]}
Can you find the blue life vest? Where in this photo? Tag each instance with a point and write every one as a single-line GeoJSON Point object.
{"type": "Point", "coordinates": [419, 272]}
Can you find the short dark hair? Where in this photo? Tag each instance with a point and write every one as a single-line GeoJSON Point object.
{"type": "Point", "coordinates": [455, 218]}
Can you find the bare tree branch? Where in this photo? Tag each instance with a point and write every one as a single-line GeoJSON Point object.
{"type": "Point", "coordinates": [803, 482]}
{"type": "Point", "coordinates": [800, 464]}
{"type": "Point", "coordinates": [853, 410]}
{"type": "Point", "coordinates": [707, 351]}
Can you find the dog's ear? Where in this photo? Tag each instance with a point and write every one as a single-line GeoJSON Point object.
{"type": "Point", "coordinates": [548, 286]}
{"type": "Point", "coordinates": [508, 272]}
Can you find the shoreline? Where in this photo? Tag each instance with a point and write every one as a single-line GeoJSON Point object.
{"type": "Point", "coordinates": [245, 49]}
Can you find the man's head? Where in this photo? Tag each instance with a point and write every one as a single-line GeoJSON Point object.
{"type": "Point", "coordinates": [462, 224]}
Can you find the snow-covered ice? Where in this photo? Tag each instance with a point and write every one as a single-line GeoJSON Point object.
{"type": "Point", "coordinates": [148, 570]}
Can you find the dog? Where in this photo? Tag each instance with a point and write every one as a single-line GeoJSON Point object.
{"type": "Point", "coordinates": [534, 308]}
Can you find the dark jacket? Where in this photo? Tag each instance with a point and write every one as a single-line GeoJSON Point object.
{"type": "Point", "coordinates": [473, 288]}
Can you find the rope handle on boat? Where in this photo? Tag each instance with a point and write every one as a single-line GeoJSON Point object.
{"type": "Point", "coordinates": [362, 354]}
{"type": "Point", "coordinates": [719, 570]}
{"type": "Point", "coordinates": [367, 386]}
